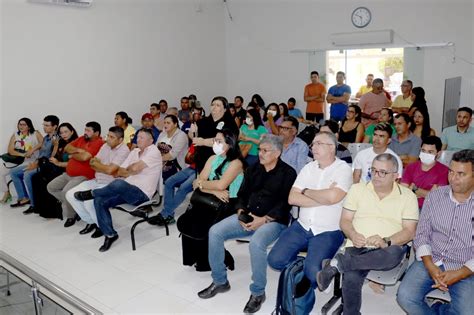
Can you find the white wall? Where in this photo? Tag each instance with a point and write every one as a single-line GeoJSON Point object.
{"type": "Point", "coordinates": [263, 32]}
{"type": "Point", "coordinates": [87, 64]}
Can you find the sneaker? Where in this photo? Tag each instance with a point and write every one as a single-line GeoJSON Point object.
{"type": "Point", "coordinates": [325, 276]}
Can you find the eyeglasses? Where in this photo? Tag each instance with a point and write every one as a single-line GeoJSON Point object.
{"type": "Point", "coordinates": [285, 128]}
{"type": "Point", "coordinates": [380, 173]}
{"type": "Point", "coordinates": [318, 143]}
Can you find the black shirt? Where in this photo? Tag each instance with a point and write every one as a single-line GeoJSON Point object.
{"type": "Point", "coordinates": [207, 128]}
{"type": "Point", "coordinates": [266, 193]}
{"type": "Point", "coordinates": [241, 115]}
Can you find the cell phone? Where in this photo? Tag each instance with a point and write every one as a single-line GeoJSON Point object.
{"type": "Point", "coordinates": [245, 217]}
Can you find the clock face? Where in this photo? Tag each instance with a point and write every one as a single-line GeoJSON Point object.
{"type": "Point", "coordinates": [361, 17]}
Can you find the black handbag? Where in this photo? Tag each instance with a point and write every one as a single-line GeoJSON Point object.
{"type": "Point", "coordinates": [47, 169]}
{"type": "Point", "coordinates": [7, 157]}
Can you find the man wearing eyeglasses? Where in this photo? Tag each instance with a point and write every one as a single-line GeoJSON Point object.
{"type": "Point", "coordinates": [378, 218]}
{"type": "Point", "coordinates": [295, 150]}
{"type": "Point", "coordinates": [403, 102]}
{"type": "Point", "coordinates": [443, 243]}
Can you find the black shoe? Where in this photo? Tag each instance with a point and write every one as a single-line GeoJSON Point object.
{"type": "Point", "coordinates": [69, 222]}
{"type": "Point", "coordinates": [142, 213]}
{"type": "Point", "coordinates": [20, 204]}
{"type": "Point", "coordinates": [89, 228]}
{"type": "Point", "coordinates": [108, 242]}
{"type": "Point", "coordinates": [213, 289]}
{"type": "Point", "coordinates": [83, 195]}
{"type": "Point", "coordinates": [254, 304]}
{"type": "Point", "coordinates": [229, 260]}
{"type": "Point", "coordinates": [30, 210]}
{"type": "Point", "coordinates": [325, 276]}
{"type": "Point", "coordinates": [97, 233]}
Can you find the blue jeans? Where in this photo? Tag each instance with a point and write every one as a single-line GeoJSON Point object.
{"type": "Point", "coordinates": [230, 228]}
{"type": "Point", "coordinates": [417, 283]}
{"type": "Point", "coordinates": [295, 239]}
{"type": "Point", "coordinates": [182, 180]}
{"type": "Point", "coordinates": [22, 180]}
{"type": "Point", "coordinates": [114, 194]}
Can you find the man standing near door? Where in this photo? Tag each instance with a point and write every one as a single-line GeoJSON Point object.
{"type": "Point", "coordinates": [314, 95]}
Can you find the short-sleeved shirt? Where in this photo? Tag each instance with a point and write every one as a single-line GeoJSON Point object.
{"type": "Point", "coordinates": [363, 161]}
{"type": "Point", "coordinates": [295, 112]}
{"type": "Point", "coordinates": [325, 217]}
{"type": "Point", "coordinates": [373, 216]}
{"type": "Point", "coordinates": [315, 89]}
{"type": "Point", "coordinates": [46, 147]}
{"type": "Point", "coordinates": [339, 109]}
{"type": "Point", "coordinates": [369, 131]}
{"type": "Point", "coordinates": [296, 154]}
{"type": "Point", "coordinates": [370, 103]}
{"type": "Point", "coordinates": [458, 141]}
{"type": "Point", "coordinates": [109, 156]}
{"type": "Point", "coordinates": [235, 185]}
{"type": "Point", "coordinates": [254, 134]}
{"type": "Point", "coordinates": [154, 130]}
{"type": "Point", "coordinates": [401, 102]}
{"type": "Point", "coordinates": [411, 146]}
{"type": "Point", "coordinates": [128, 134]}
{"type": "Point", "coordinates": [82, 168]}
{"type": "Point", "coordinates": [277, 122]}
{"type": "Point", "coordinates": [178, 143]}
{"type": "Point", "coordinates": [437, 175]}
{"type": "Point", "coordinates": [364, 89]}
{"type": "Point", "coordinates": [147, 179]}
{"type": "Point", "coordinates": [23, 143]}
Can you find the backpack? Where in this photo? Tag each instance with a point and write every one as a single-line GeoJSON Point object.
{"type": "Point", "coordinates": [286, 304]}
{"type": "Point", "coordinates": [308, 134]}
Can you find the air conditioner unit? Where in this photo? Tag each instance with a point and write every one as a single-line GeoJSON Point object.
{"type": "Point", "coordinates": [77, 3]}
{"type": "Point", "coordinates": [362, 38]}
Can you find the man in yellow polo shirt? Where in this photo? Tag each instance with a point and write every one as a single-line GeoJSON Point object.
{"type": "Point", "coordinates": [378, 218]}
{"type": "Point", "coordinates": [364, 89]}
{"type": "Point", "coordinates": [403, 102]}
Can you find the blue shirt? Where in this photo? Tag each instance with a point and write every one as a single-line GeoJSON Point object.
{"type": "Point", "coordinates": [456, 140]}
{"type": "Point", "coordinates": [156, 134]}
{"type": "Point", "coordinates": [296, 155]}
{"type": "Point", "coordinates": [295, 112]}
{"type": "Point", "coordinates": [46, 147]}
{"type": "Point", "coordinates": [338, 110]}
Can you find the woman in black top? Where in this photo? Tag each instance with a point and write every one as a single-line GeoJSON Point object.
{"type": "Point", "coordinates": [203, 132]}
{"type": "Point", "coordinates": [352, 130]}
{"type": "Point", "coordinates": [419, 101]}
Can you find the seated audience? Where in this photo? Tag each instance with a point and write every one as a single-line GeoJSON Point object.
{"type": "Point", "coordinates": [173, 145]}
{"type": "Point", "coordinates": [250, 134]}
{"type": "Point", "coordinates": [183, 183]}
{"type": "Point", "coordinates": [283, 110]}
{"type": "Point", "coordinates": [44, 203]}
{"type": "Point", "coordinates": [426, 174]}
{"type": "Point", "coordinates": [240, 112]}
{"type": "Point", "coordinates": [319, 191]}
{"type": "Point", "coordinates": [403, 102]}
{"type": "Point", "coordinates": [78, 169]}
{"type": "Point", "coordinates": [147, 123]}
{"type": "Point", "coordinates": [222, 176]}
{"type": "Point", "coordinates": [418, 101]}
{"type": "Point", "coordinates": [264, 197]}
{"type": "Point", "coordinates": [295, 150]}
{"type": "Point", "coordinates": [136, 183]}
{"type": "Point", "coordinates": [404, 143]}
{"type": "Point", "coordinates": [184, 114]}
{"type": "Point", "coordinates": [341, 151]}
{"type": "Point", "coordinates": [22, 150]}
{"type": "Point", "coordinates": [233, 113]}
{"type": "Point", "coordinates": [364, 89]}
{"type": "Point", "coordinates": [372, 103]}
{"type": "Point", "coordinates": [258, 103]}
{"type": "Point", "coordinates": [22, 177]}
{"type": "Point", "coordinates": [272, 118]}
{"type": "Point", "coordinates": [363, 160]}
{"type": "Point", "coordinates": [378, 218]}
{"type": "Point", "coordinates": [386, 116]}
{"type": "Point", "coordinates": [352, 130]}
{"type": "Point", "coordinates": [292, 111]}
{"type": "Point", "coordinates": [105, 164]}
{"type": "Point", "coordinates": [460, 136]}
{"type": "Point", "coordinates": [338, 96]}
{"type": "Point", "coordinates": [196, 113]}
{"type": "Point", "coordinates": [123, 121]}
{"type": "Point", "coordinates": [203, 132]}
{"type": "Point", "coordinates": [159, 112]}
{"type": "Point", "coordinates": [421, 125]}
{"type": "Point", "coordinates": [314, 95]}
{"type": "Point", "coordinates": [444, 245]}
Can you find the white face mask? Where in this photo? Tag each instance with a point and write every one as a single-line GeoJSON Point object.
{"type": "Point", "coordinates": [218, 148]}
{"type": "Point", "coordinates": [427, 158]}
{"type": "Point", "coordinates": [272, 112]}
{"type": "Point", "coordinates": [249, 121]}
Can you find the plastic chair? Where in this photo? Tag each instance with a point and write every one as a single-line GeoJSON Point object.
{"type": "Point", "coordinates": [355, 148]}
{"type": "Point", "coordinates": [437, 296]}
{"type": "Point", "coordinates": [445, 157]}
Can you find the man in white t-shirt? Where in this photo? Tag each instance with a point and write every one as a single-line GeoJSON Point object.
{"type": "Point", "coordinates": [139, 178]}
{"type": "Point", "coordinates": [105, 164]}
{"type": "Point", "coordinates": [319, 191]}
{"type": "Point", "coordinates": [363, 160]}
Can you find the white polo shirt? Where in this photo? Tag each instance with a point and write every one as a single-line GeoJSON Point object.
{"type": "Point", "coordinates": [326, 217]}
{"type": "Point", "coordinates": [109, 156]}
{"type": "Point", "coordinates": [363, 161]}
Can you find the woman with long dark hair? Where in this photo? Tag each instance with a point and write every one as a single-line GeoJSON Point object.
{"type": "Point", "coordinates": [421, 124]}
{"type": "Point", "coordinates": [221, 177]}
{"type": "Point", "coordinates": [272, 118]}
{"type": "Point", "coordinates": [419, 101]}
{"type": "Point", "coordinates": [352, 129]}
{"type": "Point", "coordinates": [125, 122]}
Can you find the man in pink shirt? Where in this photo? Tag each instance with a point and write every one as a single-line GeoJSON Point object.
{"type": "Point", "coordinates": [426, 174]}
{"type": "Point", "coordinates": [372, 103]}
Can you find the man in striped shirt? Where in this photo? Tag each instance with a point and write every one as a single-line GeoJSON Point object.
{"type": "Point", "coordinates": [444, 245]}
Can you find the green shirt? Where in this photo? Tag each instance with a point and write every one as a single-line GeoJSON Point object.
{"type": "Point", "coordinates": [369, 131]}
{"type": "Point", "coordinates": [254, 134]}
{"type": "Point", "coordinates": [235, 185]}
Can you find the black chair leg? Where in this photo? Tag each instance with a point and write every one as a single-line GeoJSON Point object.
{"type": "Point", "coordinates": [132, 231]}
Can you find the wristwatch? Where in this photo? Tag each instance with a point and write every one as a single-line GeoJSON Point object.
{"type": "Point", "coordinates": [414, 189]}
{"type": "Point", "coordinates": [387, 240]}
{"type": "Point", "coordinates": [304, 190]}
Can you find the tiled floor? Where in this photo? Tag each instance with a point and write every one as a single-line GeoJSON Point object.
{"type": "Point", "coordinates": [146, 281]}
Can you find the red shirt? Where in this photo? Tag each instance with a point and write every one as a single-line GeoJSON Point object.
{"type": "Point", "coordinates": [77, 168]}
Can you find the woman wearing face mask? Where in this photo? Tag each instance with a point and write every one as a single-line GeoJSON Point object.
{"type": "Point", "coordinates": [386, 116]}
{"type": "Point", "coordinates": [250, 134]}
{"type": "Point", "coordinates": [272, 118]}
{"type": "Point", "coordinates": [426, 174]}
{"type": "Point", "coordinates": [203, 132]}
{"type": "Point", "coordinates": [222, 176]}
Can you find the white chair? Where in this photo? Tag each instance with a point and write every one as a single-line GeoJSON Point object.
{"type": "Point", "coordinates": [390, 277]}
{"type": "Point", "coordinates": [437, 296]}
{"type": "Point", "coordinates": [445, 157]}
{"type": "Point", "coordinates": [355, 148]}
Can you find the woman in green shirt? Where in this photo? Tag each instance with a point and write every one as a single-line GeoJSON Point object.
{"type": "Point", "coordinates": [386, 116]}
{"type": "Point", "coordinates": [250, 134]}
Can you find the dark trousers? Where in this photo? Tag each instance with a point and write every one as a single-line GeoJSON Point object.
{"type": "Point", "coordinates": [313, 116]}
{"type": "Point", "coordinates": [356, 263]}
